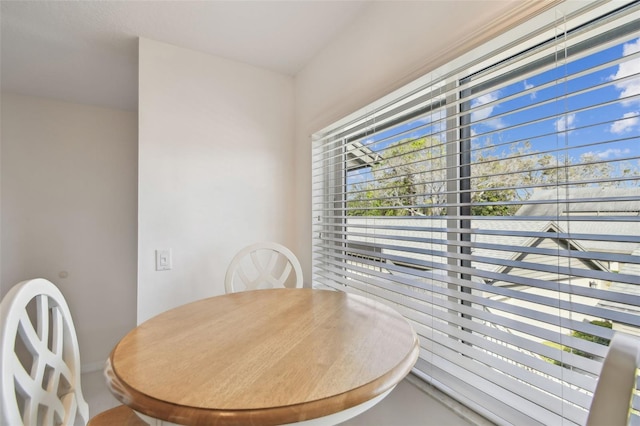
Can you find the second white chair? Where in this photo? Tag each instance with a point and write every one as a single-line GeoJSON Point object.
{"type": "Point", "coordinates": [263, 265]}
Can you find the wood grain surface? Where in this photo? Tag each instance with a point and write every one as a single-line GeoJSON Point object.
{"type": "Point", "coordinates": [117, 416]}
{"type": "Point", "coordinates": [262, 357]}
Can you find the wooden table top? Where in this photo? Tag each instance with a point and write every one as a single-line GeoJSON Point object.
{"type": "Point", "coordinates": [262, 357]}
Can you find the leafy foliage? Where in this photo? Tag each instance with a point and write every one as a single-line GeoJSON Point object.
{"type": "Point", "coordinates": [584, 336]}
{"type": "Point", "coordinates": [590, 338]}
{"type": "Point", "coordinates": [411, 178]}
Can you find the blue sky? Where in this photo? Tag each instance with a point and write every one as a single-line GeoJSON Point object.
{"type": "Point", "coordinates": [619, 118]}
{"type": "Point", "coordinates": [573, 124]}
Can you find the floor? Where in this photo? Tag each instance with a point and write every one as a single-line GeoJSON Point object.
{"type": "Point", "coordinates": [407, 405]}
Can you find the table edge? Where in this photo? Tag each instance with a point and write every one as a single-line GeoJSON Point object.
{"type": "Point", "coordinates": [264, 416]}
{"type": "Point", "coordinates": [189, 415]}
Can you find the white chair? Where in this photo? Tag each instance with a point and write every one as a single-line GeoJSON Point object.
{"type": "Point", "coordinates": [611, 401]}
{"type": "Point", "coordinates": [40, 361]}
{"type": "Point", "coordinates": [263, 265]}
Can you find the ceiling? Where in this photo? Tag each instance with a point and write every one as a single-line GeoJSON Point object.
{"type": "Point", "coordinates": [87, 51]}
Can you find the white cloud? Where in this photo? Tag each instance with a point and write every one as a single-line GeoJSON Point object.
{"type": "Point", "coordinates": [565, 123]}
{"type": "Point", "coordinates": [626, 123]}
{"type": "Point", "coordinates": [496, 123]}
{"type": "Point", "coordinates": [438, 120]}
{"type": "Point", "coordinates": [357, 176]}
{"type": "Point", "coordinates": [481, 114]}
{"type": "Point", "coordinates": [609, 153]}
{"type": "Point", "coordinates": [629, 87]}
{"type": "Point", "coordinates": [438, 115]}
{"type": "Point", "coordinates": [528, 86]}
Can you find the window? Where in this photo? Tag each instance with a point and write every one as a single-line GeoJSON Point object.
{"type": "Point", "coordinates": [496, 203]}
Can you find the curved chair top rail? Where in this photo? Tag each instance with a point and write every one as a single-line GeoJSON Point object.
{"type": "Point", "coordinates": [254, 270]}
{"type": "Point", "coordinates": [40, 358]}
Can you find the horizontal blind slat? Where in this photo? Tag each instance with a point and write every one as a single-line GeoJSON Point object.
{"type": "Point", "coordinates": [499, 212]}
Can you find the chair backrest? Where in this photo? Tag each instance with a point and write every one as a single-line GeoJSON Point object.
{"type": "Point", "coordinates": [611, 401]}
{"type": "Point", "coordinates": [40, 359]}
{"type": "Point", "coordinates": [263, 265]}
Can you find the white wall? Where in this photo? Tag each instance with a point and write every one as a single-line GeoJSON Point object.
{"type": "Point", "coordinates": [221, 163]}
{"type": "Point", "coordinates": [390, 45]}
{"type": "Point", "coordinates": [69, 205]}
{"type": "Point", "coordinates": [215, 169]}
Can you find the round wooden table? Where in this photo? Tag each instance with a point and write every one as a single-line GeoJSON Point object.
{"type": "Point", "coordinates": [262, 357]}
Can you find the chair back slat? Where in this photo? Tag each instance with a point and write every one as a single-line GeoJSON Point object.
{"type": "Point", "coordinates": [40, 358]}
{"type": "Point", "coordinates": [263, 265]}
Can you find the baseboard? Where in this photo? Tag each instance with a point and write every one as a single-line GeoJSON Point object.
{"type": "Point", "coordinates": [460, 409]}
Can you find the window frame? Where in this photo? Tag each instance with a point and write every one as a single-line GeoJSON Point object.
{"type": "Point", "coordinates": [380, 114]}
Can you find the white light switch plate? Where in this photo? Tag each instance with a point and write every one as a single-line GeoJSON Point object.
{"type": "Point", "coordinates": [163, 260]}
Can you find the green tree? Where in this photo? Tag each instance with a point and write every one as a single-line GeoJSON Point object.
{"type": "Point", "coordinates": [409, 181]}
{"type": "Point", "coordinates": [498, 209]}
{"type": "Point", "coordinates": [411, 178]}
{"type": "Point", "coordinates": [584, 336]}
{"type": "Point", "coordinates": [590, 338]}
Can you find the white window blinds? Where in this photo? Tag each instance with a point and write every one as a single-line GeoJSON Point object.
{"type": "Point", "coordinates": [496, 203]}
